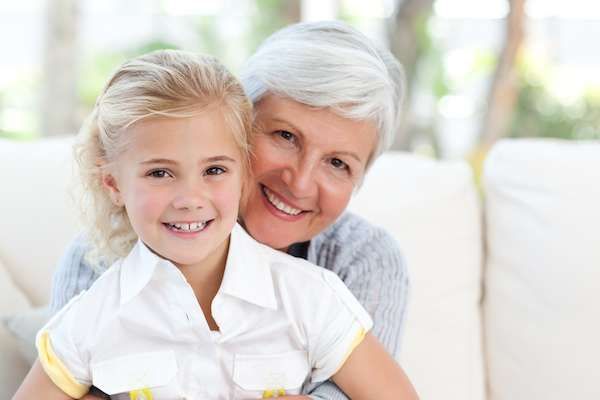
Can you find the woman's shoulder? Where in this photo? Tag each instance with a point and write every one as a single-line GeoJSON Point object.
{"type": "Point", "coordinates": [352, 235]}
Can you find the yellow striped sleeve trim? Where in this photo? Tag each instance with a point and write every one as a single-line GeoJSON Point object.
{"type": "Point", "coordinates": [357, 339]}
{"type": "Point", "coordinates": [56, 370]}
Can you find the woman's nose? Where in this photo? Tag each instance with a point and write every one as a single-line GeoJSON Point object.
{"type": "Point", "coordinates": [300, 179]}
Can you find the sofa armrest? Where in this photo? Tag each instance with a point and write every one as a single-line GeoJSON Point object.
{"type": "Point", "coordinates": [13, 366]}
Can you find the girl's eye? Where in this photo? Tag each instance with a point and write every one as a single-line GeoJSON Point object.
{"type": "Point", "coordinates": [215, 171]}
{"type": "Point", "coordinates": [159, 173]}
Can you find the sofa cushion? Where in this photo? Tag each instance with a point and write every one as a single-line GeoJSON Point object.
{"type": "Point", "coordinates": [542, 302]}
{"type": "Point", "coordinates": [24, 326]}
{"type": "Point", "coordinates": [432, 208]}
{"type": "Point", "coordinates": [13, 366]}
{"type": "Point", "coordinates": [37, 214]}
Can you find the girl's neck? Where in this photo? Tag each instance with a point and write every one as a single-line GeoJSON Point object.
{"type": "Point", "coordinates": [205, 279]}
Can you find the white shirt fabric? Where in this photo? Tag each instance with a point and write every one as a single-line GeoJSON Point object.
{"type": "Point", "coordinates": [282, 323]}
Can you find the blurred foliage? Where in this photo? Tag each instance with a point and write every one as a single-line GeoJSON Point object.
{"type": "Point", "coordinates": [17, 105]}
{"type": "Point", "coordinates": [97, 69]}
{"type": "Point", "coordinates": [540, 113]}
{"type": "Point", "coordinates": [269, 17]}
{"type": "Point", "coordinates": [210, 40]}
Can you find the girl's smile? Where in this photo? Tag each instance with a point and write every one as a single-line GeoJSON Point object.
{"type": "Point", "coordinates": [180, 180]}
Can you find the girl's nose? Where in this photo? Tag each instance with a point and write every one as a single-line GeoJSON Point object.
{"type": "Point", "coordinates": [191, 196]}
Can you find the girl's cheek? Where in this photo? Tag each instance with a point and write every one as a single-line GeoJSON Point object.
{"type": "Point", "coordinates": [150, 202]}
{"type": "Point", "coordinates": [229, 194]}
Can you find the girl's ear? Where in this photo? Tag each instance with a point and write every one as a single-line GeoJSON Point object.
{"type": "Point", "coordinates": [109, 181]}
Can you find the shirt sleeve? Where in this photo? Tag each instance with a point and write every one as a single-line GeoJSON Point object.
{"type": "Point", "coordinates": [339, 327]}
{"type": "Point", "coordinates": [60, 353]}
{"type": "Point", "coordinates": [371, 265]}
{"type": "Point", "coordinates": [72, 274]}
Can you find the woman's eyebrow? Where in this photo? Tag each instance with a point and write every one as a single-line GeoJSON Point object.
{"type": "Point", "coordinates": [297, 130]}
{"type": "Point", "coordinates": [349, 154]}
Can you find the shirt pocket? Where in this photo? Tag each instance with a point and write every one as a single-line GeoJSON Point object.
{"type": "Point", "coordinates": [141, 376]}
{"type": "Point", "coordinates": [266, 376]}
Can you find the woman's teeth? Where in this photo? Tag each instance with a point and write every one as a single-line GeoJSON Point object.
{"type": "Point", "coordinates": [183, 227]}
{"type": "Point", "coordinates": [280, 205]}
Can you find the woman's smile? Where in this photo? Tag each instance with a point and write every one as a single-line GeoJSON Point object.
{"type": "Point", "coordinates": [281, 205]}
{"type": "Point", "coordinates": [306, 163]}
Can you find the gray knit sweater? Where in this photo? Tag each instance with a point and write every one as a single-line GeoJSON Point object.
{"type": "Point", "coordinates": [365, 257]}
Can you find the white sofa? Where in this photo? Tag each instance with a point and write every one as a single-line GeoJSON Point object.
{"type": "Point", "coordinates": [505, 300]}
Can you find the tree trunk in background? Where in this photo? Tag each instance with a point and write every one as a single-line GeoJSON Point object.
{"type": "Point", "coordinates": [405, 45]}
{"type": "Point", "coordinates": [59, 101]}
{"type": "Point", "coordinates": [503, 92]}
{"type": "Point", "coordinates": [292, 10]}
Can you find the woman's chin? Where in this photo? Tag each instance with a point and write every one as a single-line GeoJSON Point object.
{"type": "Point", "coordinates": [269, 237]}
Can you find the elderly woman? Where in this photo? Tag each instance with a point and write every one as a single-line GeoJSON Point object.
{"type": "Point", "coordinates": [327, 104]}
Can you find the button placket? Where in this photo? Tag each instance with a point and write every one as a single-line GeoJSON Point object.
{"type": "Point", "coordinates": [191, 314]}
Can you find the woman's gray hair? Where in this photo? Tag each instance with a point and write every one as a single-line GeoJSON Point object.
{"type": "Point", "coordinates": [329, 64]}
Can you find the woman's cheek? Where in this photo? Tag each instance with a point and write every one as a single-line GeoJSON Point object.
{"type": "Point", "coordinates": [335, 197]}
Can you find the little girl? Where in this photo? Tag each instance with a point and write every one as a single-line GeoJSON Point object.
{"type": "Point", "coordinates": [193, 308]}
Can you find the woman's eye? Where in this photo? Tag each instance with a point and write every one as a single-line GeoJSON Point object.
{"type": "Point", "coordinates": [159, 173]}
{"type": "Point", "coordinates": [286, 135]}
{"type": "Point", "coordinates": [338, 164]}
{"type": "Point", "coordinates": [215, 171]}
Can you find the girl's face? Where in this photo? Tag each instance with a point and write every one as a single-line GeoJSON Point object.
{"type": "Point", "coordinates": [180, 180]}
{"type": "Point", "coordinates": [306, 163]}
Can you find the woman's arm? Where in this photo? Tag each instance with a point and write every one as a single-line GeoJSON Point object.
{"type": "Point", "coordinates": [370, 264]}
{"type": "Point", "coordinates": [72, 275]}
{"type": "Point", "coordinates": [370, 373]}
{"type": "Point", "coordinates": [38, 385]}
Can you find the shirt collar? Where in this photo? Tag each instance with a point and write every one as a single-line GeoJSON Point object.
{"type": "Point", "coordinates": [248, 272]}
{"type": "Point", "coordinates": [136, 270]}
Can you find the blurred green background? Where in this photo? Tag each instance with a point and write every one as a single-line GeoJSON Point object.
{"type": "Point", "coordinates": [477, 70]}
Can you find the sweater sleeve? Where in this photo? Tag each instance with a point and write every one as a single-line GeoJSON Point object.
{"type": "Point", "coordinates": [369, 262]}
{"type": "Point", "coordinates": [72, 274]}
{"type": "Point", "coordinates": [383, 289]}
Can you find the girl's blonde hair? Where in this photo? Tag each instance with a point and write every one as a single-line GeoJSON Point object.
{"type": "Point", "coordinates": [164, 83]}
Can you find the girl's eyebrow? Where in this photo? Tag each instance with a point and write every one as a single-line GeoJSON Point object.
{"type": "Point", "coordinates": [158, 161]}
{"type": "Point", "coordinates": [219, 158]}
{"type": "Point", "coordinates": [172, 162]}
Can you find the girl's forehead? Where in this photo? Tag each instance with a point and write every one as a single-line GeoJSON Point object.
{"type": "Point", "coordinates": [199, 136]}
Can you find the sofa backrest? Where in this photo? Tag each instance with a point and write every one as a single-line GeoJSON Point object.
{"type": "Point", "coordinates": [432, 208]}
{"type": "Point", "coordinates": [542, 277]}
{"type": "Point", "coordinates": [38, 216]}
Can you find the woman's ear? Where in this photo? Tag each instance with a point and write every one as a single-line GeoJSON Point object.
{"type": "Point", "coordinates": [110, 183]}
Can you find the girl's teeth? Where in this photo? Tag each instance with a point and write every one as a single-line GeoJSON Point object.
{"type": "Point", "coordinates": [193, 227]}
{"type": "Point", "coordinates": [280, 205]}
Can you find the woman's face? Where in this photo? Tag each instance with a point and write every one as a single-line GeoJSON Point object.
{"type": "Point", "coordinates": [306, 163]}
